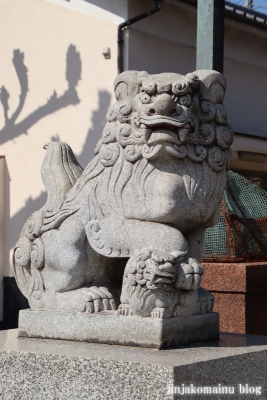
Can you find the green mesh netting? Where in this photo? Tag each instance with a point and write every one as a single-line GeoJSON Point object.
{"type": "Point", "coordinates": [241, 234]}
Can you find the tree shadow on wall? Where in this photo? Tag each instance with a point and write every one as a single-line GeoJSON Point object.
{"type": "Point", "coordinates": [13, 299]}
{"type": "Point", "coordinates": [12, 129]}
{"type": "Point", "coordinates": [98, 120]}
{"type": "Point", "coordinates": [93, 135]}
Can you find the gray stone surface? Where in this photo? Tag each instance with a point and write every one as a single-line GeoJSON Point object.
{"type": "Point", "coordinates": [108, 327]}
{"type": "Point", "coordinates": [127, 233]}
{"type": "Point", "coordinates": [60, 369]}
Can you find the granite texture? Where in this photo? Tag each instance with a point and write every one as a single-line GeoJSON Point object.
{"type": "Point", "coordinates": [57, 369]}
{"type": "Point", "coordinates": [127, 233]}
{"type": "Point", "coordinates": [242, 277]}
{"type": "Point", "coordinates": [240, 291]}
{"type": "Point", "coordinates": [108, 327]}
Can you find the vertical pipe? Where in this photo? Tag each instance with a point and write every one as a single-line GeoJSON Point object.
{"type": "Point", "coordinates": [210, 34]}
{"type": "Point", "coordinates": [129, 22]}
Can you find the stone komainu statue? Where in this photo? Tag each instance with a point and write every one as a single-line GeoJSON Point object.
{"type": "Point", "coordinates": [127, 233]}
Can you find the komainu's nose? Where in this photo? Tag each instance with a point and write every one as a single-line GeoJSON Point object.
{"type": "Point", "coordinates": [164, 105]}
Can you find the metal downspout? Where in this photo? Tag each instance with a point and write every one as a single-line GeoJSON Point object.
{"type": "Point", "coordinates": [129, 22]}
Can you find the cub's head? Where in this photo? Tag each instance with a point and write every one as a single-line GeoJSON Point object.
{"type": "Point", "coordinates": [168, 112]}
{"type": "Point", "coordinates": [152, 269]}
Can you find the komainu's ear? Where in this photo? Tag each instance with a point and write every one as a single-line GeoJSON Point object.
{"type": "Point", "coordinates": [125, 85]}
{"type": "Point", "coordinates": [212, 85]}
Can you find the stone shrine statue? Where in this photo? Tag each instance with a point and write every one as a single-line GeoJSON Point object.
{"type": "Point", "coordinates": [125, 236]}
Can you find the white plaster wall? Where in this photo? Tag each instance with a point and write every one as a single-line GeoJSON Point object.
{"type": "Point", "coordinates": [166, 41]}
{"type": "Point", "coordinates": [2, 226]}
{"type": "Point", "coordinates": [45, 33]}
{"type": "Point", "coordinates": [249, 144]}
{"type": "Point", "coordinates": [2, 211]}
{"type": "Point", "coordinates": [246, 98]}
{"type": "Point", "coordinates": [109, 10]}
{"type": "Point", "coordinates": [44, 30]}
{"type": "Point", "coordinates": [246, 72]}
{"type": "Point", "coordinates": [144, 54]}
{"type": "Point", "coordinates": [176, 22]}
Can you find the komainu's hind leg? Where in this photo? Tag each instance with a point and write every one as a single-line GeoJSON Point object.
{"type": "Point", "coordinates": [70, 273]}
{"type": "Point", "coordinates": [90, 300]}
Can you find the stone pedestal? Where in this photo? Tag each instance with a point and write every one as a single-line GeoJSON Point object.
{"type": "Point", "coordinates": [108, 327]}
{"type": "Point", "coordinates": [240, 291]}
{"type": "Point", "coordinates": [59, 369]}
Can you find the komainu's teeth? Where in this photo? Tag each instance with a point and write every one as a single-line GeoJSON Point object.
{"type": "Point", "coordinates": [142, 126]}
{"type": "Point", "coordinates": [182, 134]}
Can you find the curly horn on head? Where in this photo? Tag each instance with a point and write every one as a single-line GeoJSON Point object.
{"type": "Point", "coordinates": [125, 84]}
{"type": "Point", "coordinates": [212, 85]}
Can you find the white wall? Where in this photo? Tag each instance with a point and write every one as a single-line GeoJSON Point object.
{"type": "Point", "coordinates": [246, 74]}
{"type": "Point", "coordinates": [49, 39]}
{"type": "Point", "coordinates": [115, 11]}
{"type": "Point", "coordinates": [252, 145]}
{"type": "Point", "coordinates": [45, 32]}
{"type": "Point", "coordinates": [2, 226]}
{"type": "Point", "coordinates": [145, 49]}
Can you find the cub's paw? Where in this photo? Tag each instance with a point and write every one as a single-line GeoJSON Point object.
{"type": "Point", "coordinates": [124, 309]}
{"type": "Point", "coordinates": [160, 312]}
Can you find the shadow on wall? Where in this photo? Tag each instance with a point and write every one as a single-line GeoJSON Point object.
{"type": "Point", "coordinates": [13, 299]}
{"type": "Point", "coordinates": [98, 120]}
{"type": "Point", "coordinates": [93, 135]}
{"type": "Point", "coordinates": [12, 129]}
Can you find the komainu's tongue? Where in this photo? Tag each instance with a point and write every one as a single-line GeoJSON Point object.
{"type": "Point", "coordinates": [163, 135]}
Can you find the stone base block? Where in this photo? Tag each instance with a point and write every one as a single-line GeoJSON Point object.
{"type": "Point", "coordinates": [240, 291]}
{"type": "Point", "coordinates": [41, 369]}
{"type": "Point", "coordinates": [108, 327]}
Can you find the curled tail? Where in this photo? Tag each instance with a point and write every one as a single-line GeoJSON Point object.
{"type": "Point", "coordinates": [28, 262]}
{"type": "Point", "coordinates": [60, 171]}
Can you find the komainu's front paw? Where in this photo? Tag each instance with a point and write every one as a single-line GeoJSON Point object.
{"type": "Point", "coordinates": [160, 312]}
{"type": "Point", "coordinates": [124, 309]}
{"type": "Point", "coordinates": [98, 299]}
{"type": "Point", "coordinates": [205, 301]}
{"type": "Point", "coordinates": [190, 274]}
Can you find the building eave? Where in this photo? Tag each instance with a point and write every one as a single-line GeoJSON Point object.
{"type": "Point", "coordinates": [241, 14]}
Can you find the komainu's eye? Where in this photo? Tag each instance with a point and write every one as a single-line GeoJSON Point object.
{"type": "Point", "coordinates": [185, 100]}
{"type": "Point", "coordinates": [145, 98]}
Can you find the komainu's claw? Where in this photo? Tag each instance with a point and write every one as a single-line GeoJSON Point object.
{"type": "Point", "coordinates": [124, 309]}
{"type": "Point", "coordinates": [159, 312]}
{"type": "Point", "coordinates": [191, 274]}
{"type": "Point", "coordinates": [98, 299]}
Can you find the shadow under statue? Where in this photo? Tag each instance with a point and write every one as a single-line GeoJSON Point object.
{"type": "Point", "coordinates": [114, 255]}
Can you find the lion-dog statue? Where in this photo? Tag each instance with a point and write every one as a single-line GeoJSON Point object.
{"type": "Point", "coordinates": [127, 233]}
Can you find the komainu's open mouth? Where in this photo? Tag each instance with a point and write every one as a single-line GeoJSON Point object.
{"type": "Point", "coordinates": [165, 129]}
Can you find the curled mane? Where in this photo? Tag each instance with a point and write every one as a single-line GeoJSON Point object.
{"type": "Point", "coordinates": [124, 151]}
